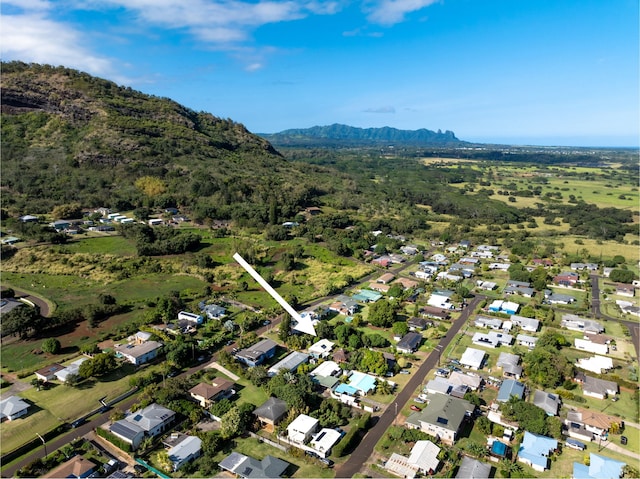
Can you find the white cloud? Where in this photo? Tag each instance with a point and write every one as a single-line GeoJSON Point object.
{"type": "Point", "coordinates": [33, 38]}
{"type": "Point", "coordinates": [390, 12]}
{"type": "Point", "coordinates": [28, 5]}
{"type": "Point", "coordinates": [381, 109]}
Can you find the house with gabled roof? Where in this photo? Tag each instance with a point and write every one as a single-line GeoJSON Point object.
{"type": "Point", "coordinates": [600, 467]}
{"type": "Point", "coordinates": [138, 354]}
{"type": "Point", "coordinates": [258, 353]}
{"type": "Point", "coordinates": [409, 343]}
{"type": "Point", "coordinates": [188, 449]}
{"type": "Point", "coordinates": [302, 428]}
{"type": "Point", "coordinates": [597, 388]}
{"type": "Point", "coordinates": [589, 424]}
{"type": "Point", "coordinates": [567, 279]}
{"type": "Point", "coordinates": [508, 388]}
{"type": "Point", "coordinates": [526, 340]}
{"type": "Point", "coordinates": [510, 365]}
{"type": "Point", "coordinates": [473, 358]}
{"type": "Point", "coordinates": [148, 422]}
{"type": "Point", "coordinates": [207, 394]}
{"type": "Point", "coordinates": [321, 349]}
{"type": "Point", "coordinates": [549, 403]}
{"type": "Point", "coordinates": [423, 459]}
{"type": "Point", "coordinates": [77, 467]}
{"type": "Point", "coordinates": [460, 379]}
{"type": "Point", "coordinates": [344, 305]}
{"type": "Point", "coordinates": [473, 469]}
{"type": "Point", "coordinates": [595, 364]}
{"type": "Point", "coordinates": [48, 373]}
{"type": "Point", "coordinates": [12, 408]}
{"type": "Point", "coordinates": [489, 323]}
{"type": "Point", "coordinates": [535, 450]}
{"type": "Point", "coordinates": [492, 339]}
{"type": "Point", "coordinates": [576, 323]}
{"type": "Point", "coordinates": [291, 363]}
{"type": "Point", "coordinates": [526, 324]}
{"type": "Point", "coordinates": [442, 418]}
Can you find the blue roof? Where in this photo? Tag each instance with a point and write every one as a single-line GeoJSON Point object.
{"type": "Point", "coordinates": [510, 387]}
{"type": "Point", "coordinates": [346, 389]}
{"type": "Point", "coordinates": [362, 382]}
{"type": "Point", "coordinates": [536, 448]}
{"type": "Point", "coordinates": [600, 467]}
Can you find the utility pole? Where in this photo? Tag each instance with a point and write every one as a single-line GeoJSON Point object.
{"type": "Point", "coordinates": [43, 443]}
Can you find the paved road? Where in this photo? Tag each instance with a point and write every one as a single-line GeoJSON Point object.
{"type": "Point", "coordinates": [634, 328]}
{"type": "Point", "coordinates": [42, 304]}
{"type": "Point", "coordinates": [362, 452]}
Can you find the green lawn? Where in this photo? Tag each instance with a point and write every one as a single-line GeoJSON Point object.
{"type": "Point", "coordinates": [102, 245]}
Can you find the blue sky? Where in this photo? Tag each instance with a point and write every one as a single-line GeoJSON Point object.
{"type": "Point", "coordinates": [547, 72]}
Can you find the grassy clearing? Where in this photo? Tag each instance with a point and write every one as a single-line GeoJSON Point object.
{"type": "Point", "coordinates": [115, 245]}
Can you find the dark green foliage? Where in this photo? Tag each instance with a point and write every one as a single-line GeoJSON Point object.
{"type": "Point", "coordinates": [98, 366]}
{"type": "Point", "coordinates": [530, 417]}
{"type": "Point", "coordinates": [113, 439]}
{"type": "Point", "coordinates": [332, 413]}
{"type": "Point", "coordinates": [382, 313]}
{"type": "Point", "coordinates": [22, 321]}
{"type": "Point", "coordinates": [518, 272]}
{"type": "Point", "coordinates": [352, 437]}
{"type": "Point", "coordinates": [622, 276]}
{"type": "Point", "coordinates": [160, 241]}
{"type": "Point", "coordinates": [51, 345]}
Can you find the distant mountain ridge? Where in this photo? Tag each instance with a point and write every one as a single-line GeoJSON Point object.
{"type": "Point", "coordinates": [337, 134]}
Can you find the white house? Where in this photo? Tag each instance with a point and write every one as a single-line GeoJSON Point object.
{"type": "Point", "coordinates": [473, 358]}
{"type": "Point", "coordinates": [321, 349]}
{"type": "Point", "coordinates": [194, 318]}
{"type": "Point", "coordinates": [441, 299]}
{"type": "Point", "coordinates": [587, 345]}
{"type": "Point", "coordinates": [595, 364]}
{"type": "Point", "coordinates": [186, 450]}
{"type": "Point", "coordinates": [302, 428]}
{"type": "Point", "coordinates": [12, 408]}
{"type": "Point", "coordinates": [139, 353]}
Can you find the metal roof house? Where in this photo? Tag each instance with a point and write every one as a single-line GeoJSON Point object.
{"type": "Point", "coordinates": [510, 388]}
{"type": "Point", "coordinates": [12, 408]}
{"type": "Point", "coordinates": [271, 412]}
{"type": "Point", "coordinates": [186, 450]}
{"type": "Point", "coordinates": [148, 422]}
{"type": "Point", "coordinates": [600, 467]}
{"type": "Point", "coordinates": [290, 363]}
{"type": "Point", "coordinates": [442, 418]}
{"type": "Point", "coordinates": [473, 358]}
{"type": "Point", "coordinates": [249, 468]}
{"type": "Point", "coordinates": [258, 353]}
{"type": "Point", "coordinates": [473, 469]}
{"type": "Point", "coordinates": [409, 343]}
{"type": "Point", "coordinates": [535, 450]}
{"type": "Point", "coordinates": [549, 403]}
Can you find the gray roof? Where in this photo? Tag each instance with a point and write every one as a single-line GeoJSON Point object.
{"type": "Point", "coordinates": [289, 363]}
{"type": "Point", "coordinates": [7, 304]}
{"type": "Point", "coordinates": [248, 467]}
{"type": "Point", "coordinates": [547, 401]}
{"type": "Point", "coordinates": [599, 386]}
{"type": "Point", "coordinates": [126, 429]}
{"type": "Point", "coordinates": [185, 449]}
{"type": "Point", "coordinates": [12, 405]}
{"type": "Point", "coordinates": [410, 341]}
{"type": "Point", "coordinates": [507, 358]}
{"type": "Point", "coordinates": [254, 352]}
{"type": "Point", "coordinates": [150, 417]}
{"type": "Point", "coordinates": [473, 469]}
{"type": "Point", "coordinates": [510, 388]}
{"type": "Point", "coordinates": [446, 411]}
{"type": "Point", "coordinates": [273, 409]}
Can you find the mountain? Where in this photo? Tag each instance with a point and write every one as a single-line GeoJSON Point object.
{"type": "Point", "coordinates": [69, 137]}
{"type": "Point", "coordinates": [344, 135]}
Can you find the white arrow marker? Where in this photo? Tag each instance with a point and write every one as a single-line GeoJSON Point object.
{"type": "Point", "coordinates": [304, 323]}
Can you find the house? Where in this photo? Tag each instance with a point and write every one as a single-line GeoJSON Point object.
{"type": "Point", "coordinates": [362, 383]}
{"type": "Point", "coordinates": [188, 449]}
{"type": "Point", "coordinates": [409, 343]}
{"type": "Point", "coordinates": [435, 312]}
{"type": "Point", "coordinates": [590, 346]}
{"type": "Point", "coordinates": [12, 408]}
{"type": "Point", "coordinates": [139, 353]}
{"type": "Point", "coordinates": [510, 365]}
{"type": "Point", "coordinates": [409, 250]}
{"type": "Point", "coordinates": [535, 450]}
{"type": "Point", "coordinates": [417, 324]}
{"type": "Point", "coordinates": [486, 285]}
{"type": "Point", "coordinates": [340, 356]}
{"type": "Point", "coordinates": [213, 311]}
{"type": "Point", "coordinates": [600, 467]}
{"type": "Point", "coordinates": [584, 266]}
{"type": "Point", "coordinates": [438, 385]}
{"type": "Point", "coordinates": [367, 296]}
{"type": "Point", "coordinates": [557, 298]}
{"type": "Point", "coordinates": [155, 222]}
{"type": "Point", "coordinates": [548, 402]}
{"type": "Point", "coordinates": [271, 412]}
{"type": "Point", "coordinates": [321, 349]}
{"type": "Point", "coordinates": [423, 460]}
{"type": "Point", "coordinates": [545, 262]}
{"type": "Point", "coordinates": [71, 370]}
{"type": "Point", "coordinates": [9, 304]}
{"type": "Point", "coordinates": [510, 387]}
{"type": "Point", "coordinates": [492, 339]}
{"type": "Point", "coordinates": [490, 323]}
{"type": "Point", "coordinates": [499, 306]}
{"type": "Point", "coordinates": [302, 428]}
{"type": "Point", "coordinates": [148, 422]}
{"type": "Point", "coordinates": [567, 279]}
{"type": "Point", "coordinates": [460, 379]}
{"type": "Point", "coordinates": [595, 364]}
{"type": "Point", "coordinates": [207, 394]}
{"type": "Point", "coordinates": [473, 358]}
{"type": "Point", "coordinates": [519, 287]}
{"type": "Point", "coordinates": [526, 324]}
{"type": "Point", "coordinates": [499, 266]}
{"type": "Point", "coordinates": [440, 299]}
{"type": "Point", "coordinates": [379, 287]}
{"type": "Point", "coordinates": [588, 424]}
{"type": "Point", "coordinates": [290, 363]}
{"type": "Point", "coordinates": [386, 278]}
{"type": "Point", "coordinates": [344, 305]}
{"type": "Point", "coordinates": [191, 317]}
{"type": "Point", "coordinates": [526, 340]}
{"type": "Point", "coordinates": [598, 388]}
{"type": "Point", "coordinates": [249, 468]}
{"type": "Point", "coordinates": [576, 323]}
{"type": "Point", "coordinates": [442, 418]}
{"type": "Point", "coordinates": [76, 467]}
{"type": "Point", "coordinates": [406, 283]}
{"type": "Point", "coordinates": [324, 440]}
{"type": "Point", "coordinates": [28, 219]}
{"type": "Point", "coordinates": [625, 290]}
{"type": "Point", "coordinates": [60, 225]}
{"type": "Point", "coordinates": [48, 373]}
{"type": "Point", "coordinates": [258, 353]}
{"type": "Point", "coordinates": [473, 469]}
{"type": "Point", "coordinates": [423, 275]}
{"type": "Point", "coordinates": [10, 240]}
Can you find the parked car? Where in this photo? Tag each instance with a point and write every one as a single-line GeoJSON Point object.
{"type": "Point", "coordinates": [419, 400]}
{"type": "Point", "coordinates": [405, 371]}
{"type": "Point", "coordinates": [443, 373]}
{"type": "Point", "coordinates": [266, 322]}
{"type": "Point", "coordinates": [311, 454]}
{"type": "Point", "coordinates": [414, 408]}
{"type": "Point", "coordinates": [326, 461]}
